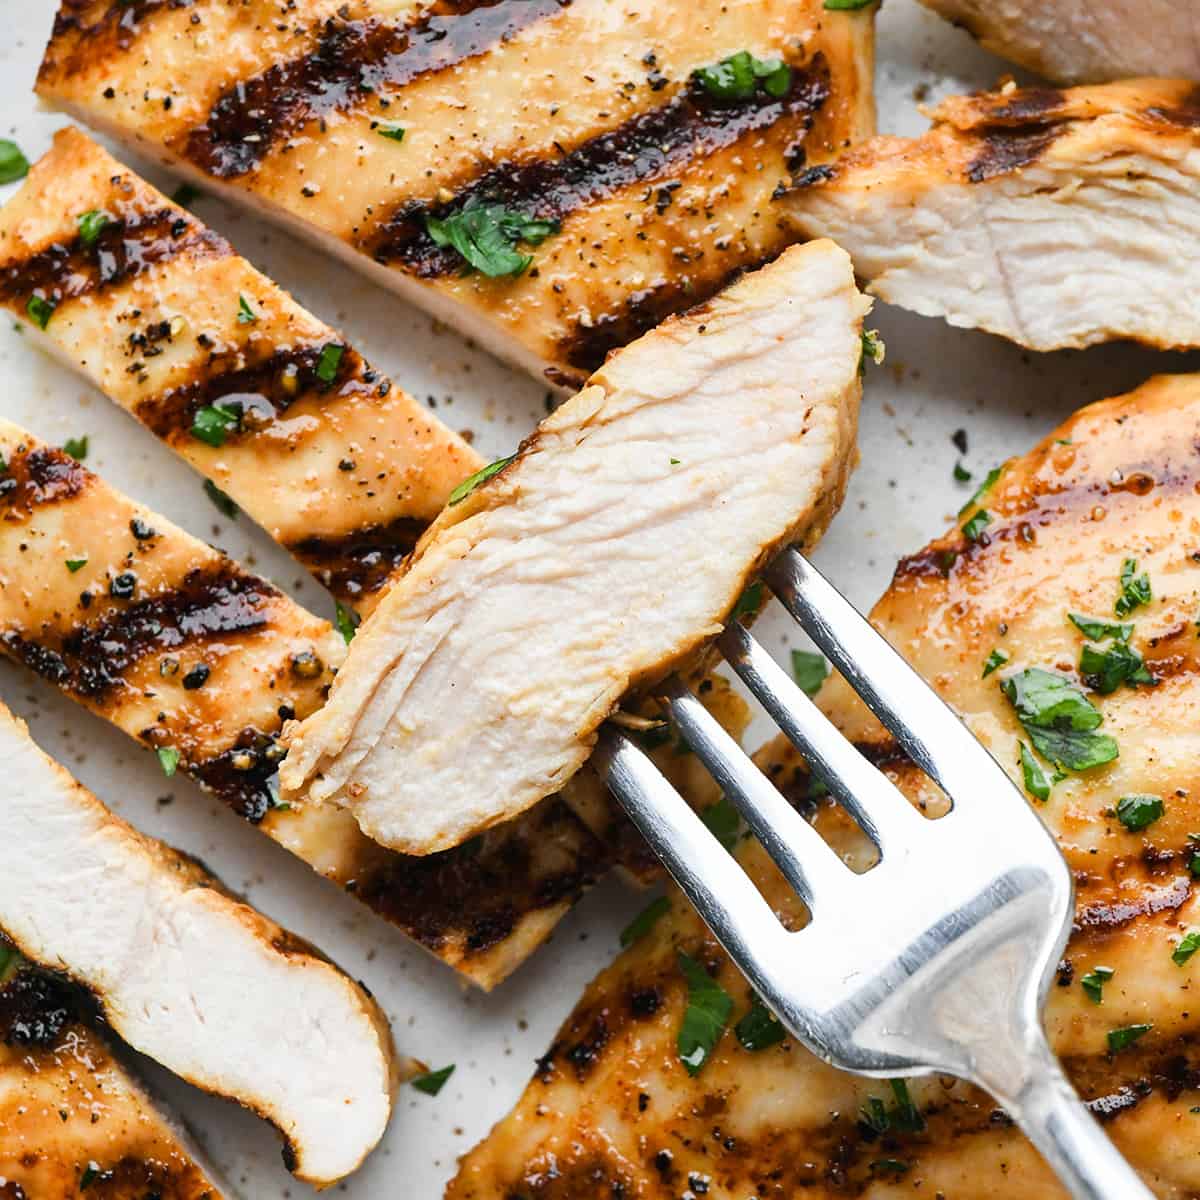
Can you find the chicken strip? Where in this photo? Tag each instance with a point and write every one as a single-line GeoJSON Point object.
{"type": "Point", "coordinates": [606, 552]}
{"type": "Point", "coordinates": [1084, 568]}
{"type": "Point", "coordinates": [71, 1116]}
{"type": "Point", "coordinates": [551, 177]}
{"type": "Point", "coordinates": [171, 959]}
{"type": "Point", "coordinates": [340, 467]}
{"type": "Point", "coordinates": [1055, 219]}
{"type": "Point", "coordinates": [190, 655]}
{"type": "Point", "coordinates": [1076, 41]}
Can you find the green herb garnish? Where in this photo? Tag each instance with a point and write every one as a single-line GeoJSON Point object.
{"type": "Point", "coordinates": [982, 490]}
{"type": "Point", "coordinates": [1186, 948]}
{"type": "Point", "coordinates": [76, 564]}
{"type": "Point", "coordinates": [330, 360]}
{"type": "Point", "coordinates": [1093, 983]}
{"type": "Point", "coordinates": [1139, 812]}
{"type": "Point", "coordinates": [91, 225]}
{"type": "Point", "coordinates": [1096, 629]}
{"type": "Point", "coordinates": [389, 130]}
{"type": "Point", "coordinates": [994, 662]}
{"type": "Point", "coordinates": [168, 759]}
{"type": "Point", "coordinates": [213, 423]}
{"type": "Point", "coordinates": [432, 1082]}
{"type": "Point", "coordinates": [847, 5]}
{"type": "Point", "coordinates": [245, 314]}
{"type": "Point", "coordinates": [1105, 668]}
{"type": "Point", "coordinates": [723, 822]}
{"type": "Point", "coordinates": [13, 164]}
{"type": "Point", "coordinates": [185, 195]}
{"type": "Point", "coordinates": [223, 502]}
{"type": "Point", "coordinates": [40, 310]}
{"type": "Point", "coordinates": [485, 234]}
{"type": "Point", "coordinates": [706, 1017]}
{"type": "Point", "coordinates": [645, 921]}
{"type": "Point", "coordinates": [961, 474]}
{"type": "Point", "coordinates": [467, 486]}
{"type": "Point", "coordinates": [347, 622]}
{"type": "Point", "coordinates": [739, 76]}
{"type": "Point", "coordinates": [901, 1115]}
{"type": "Point", "coordinates": [1135, 589]}
{"type": "Point", "coordinates": [974, 528]}
{"type": "Point", "coordinates": [809, 670]}
{"type": "Point", "coordinates": [1037, 782]}
{"type": "Point", "coordinates": [77, 448]}
{"type": "Point", "coordinates": [750, 601]}
{"type": "Point", "coordinates": [1120, 1039]}
{"type": "Point", "coordinates": [1060, 720]}
{"type": "Point", "coordinates": [760, 1028]}
{"type": "Point", "coordinates": [873, 348]}
{"type": "Point", "coordinates": [90, 1174]}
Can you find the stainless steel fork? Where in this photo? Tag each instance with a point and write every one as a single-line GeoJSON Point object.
{"type": "Point", "coordinates": [936, 960]}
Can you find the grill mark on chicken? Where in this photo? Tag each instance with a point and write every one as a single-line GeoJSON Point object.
{"type": "Point", "coordinates": [1107, 916]}
{"type": "Point", "coordinates": [37, 477]}
{"type": "Point", "coordinates": [361, 562]}
{"type": "Point", "coordinates": [352, 62]}
{"type": "Point", "coordinates": [263, 390]}
{"type": "Point", "coordinates": [648, 146]}
{"type": "Point", "coordinates": [1185, 114]}
{"type": "Point", "coordinates": [1030, 104]}
{"type": "Point", "coordinates": [124, 249]}
{"type": "Point", "coordinates": [1006, 150]}
{"type": "Point", "coordinates": [91, 661]}
{"type": "Point", "coordinates": [117, 24]}
{"type": "Point", "coordinates": [37, 1008]}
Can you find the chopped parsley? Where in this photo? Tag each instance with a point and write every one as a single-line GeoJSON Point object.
{"type": "Point", "coordinates": [739, 77]}
{"type": "Point", "coordinates": [185, 195]}
{"type": "Point", "coordinates": [994, 662]}
{"type": "Point", "coordinates": [347, 622]}
{"type": "Point", "coordinates": [481, 476]}
{"type": "Point", "coordinates": [1060, 720]}
{"type": "Point", "coordinates": [645, 921]}
{"type": "Point", "coordinates": [902, 1115]}
{"type": "Point", "coordinates": [330, 360]}
{"type": "Point", "coordinates": [873, 348]}
{"type": "Point", "coordinates": [705, 1018]}
{"type": "Point", "coordinates": [486, 235]}
{"type": "Point", "coordinates": [973, 529]}
{"type": "Point", "coordinates": [77, 448]}
{"type": "Point", "coordinates": [90, 1174]}
{"type": "Point", "coordinates": [750, 601]}
{"type": "Point", "coordinates": [1037, 782]}
{"type": "Point", "coordinates": [40, 310]}
{"type": "Point", "coordinates": [13, 163]}
{"type": "Point", "coordinates": [1121, 1039]}
{"type": "Point", "coordinates": [982, 490]}
{"type": "Point", "coordinates": [1139, 812]}
{"type": "Point", "coordinates": [168, 759]}
{"type": "Point", "coordinates": [961, 474]}
{"type": "Point", "coordinates": [223, 503]}
{"type": "Point", "coordinates": [213, 423]}
{"type": "Point", "coordinates": [1105, 668]}
{"type": "Point", "coordinates": [760, 1028]}
{"type": "Point", "coordinates": [389, 129]}
{"type": "Point", "coordinates": [809, 670]}
{"type": "Point", "coordinates": [722, 821]}
{"type": "Point", "coordinates": [1095, 629]}
{"type": "Point", "coordinates": [847, 5]}
{"type": "Point", "coordinates": [245, 314]}
{"type": "Point", "coordinates": [1186, 948]}
{"type": "Point", "coordinates": [77, 564]}
{"type": "Point", "coordinates": [1135, 589]}
{"type": "Point", "coordinates": [92, 224]}
{"type": "Point", "coordinates": [1093, 983]}
{"type": "Point", "coordinates": [432, 1082]}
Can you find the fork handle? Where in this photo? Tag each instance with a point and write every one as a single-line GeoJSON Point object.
{"type": "Point", "coordinates": [1051, 1114]}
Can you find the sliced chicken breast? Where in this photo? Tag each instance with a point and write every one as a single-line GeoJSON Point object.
{"type": "Point", "coordinates": [599, 162]}
{"type": "Point", "coordinates": [612, 547]}
{"type": "Point", "coordinates": [1075, 41]}
{"type": "Point", "coordinates": [188, 975]}
{"type": "Point", "coordinates": [341, 467]}
{"type": "Point", "coordinates": [202, 662]}
{"type": "Point", "coordinates": [1086, 568]}
{"type": "Point", "coordinates": [72, 1118]}
{"type": "Point", "coordinates": [1055, 219]}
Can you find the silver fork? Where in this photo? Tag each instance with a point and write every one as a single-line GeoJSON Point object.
{"type": "Point", "coordinates": [936, 960]}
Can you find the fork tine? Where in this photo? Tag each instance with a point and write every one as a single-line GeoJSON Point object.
{"type": "Point", "coordinates": [804, 857]}
{"type": "Point", "coordinates": [929, 732]}
{"type": "Point", "coordinates": [863, 790]}
{"type": "Point", "coordinates": [722, 893]}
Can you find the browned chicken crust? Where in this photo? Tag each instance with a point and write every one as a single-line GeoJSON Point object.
{"type": "Point", "coordinates": [196, 658]}
{"type": "Point", "coordinates": [611, 1110]}
{"type": "Point", "coordinates": [339, 465]}
{"type": "Point", "coordinates": [580, 112]}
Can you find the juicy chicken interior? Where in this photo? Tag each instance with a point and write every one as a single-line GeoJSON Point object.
{"type": "Point", "coordinates": [1055, 219]}
{"type": "Point", "coordinates": [201, 661]}
{"type": "Point", "coordinates": [567, 147]}
{"type": "Point", "coordinates": [1077, 41]}
{"type": "Point", "coordinates": [609, 549]}
{"type": "Point", "coordinates": [340, 466]}
{"type": "Point", "coordinates": [1100, 520]}
{"type": "Point", "coordinates": [72, 1118]}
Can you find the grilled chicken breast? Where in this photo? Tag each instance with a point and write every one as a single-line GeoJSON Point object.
{"type": "Point", "coordinates": [340, 466]}
{"type": "Point", "coordinates": [612, 1110]}
{"type": "Point", "coordinates": [565, 147]}
{"type": "Point", "coordinates": [72, 1119]}
{"type": "Point", "coordinates": [1074, 41]}
{"type": "Point", "coordinates": [179, 647]}
{"type": "Point", "coordinates": [1055, 219]}
{"type": "Point", "coordinates": [540, 599]}
{"type": "Point", "coordinates": [171, 958]}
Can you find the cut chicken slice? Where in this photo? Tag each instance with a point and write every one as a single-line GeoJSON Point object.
{"type": "Point", "coordinates": [1055, 219]}
{"type": "Point", "coordinates": [1078, 41]}
{"type": "Point", "coordinates": [626, 152]}
{"type": "Point", "coordinates": [613, 1110]}
{"type": "Point", "coordinates": [341, 467]}
{"type": "Point", "coordinates": [72, 1118]}
{"type": "Point", "coordinates": [612, 547]}
{"type": "Point", "coordinates": [201, 661]}
{"type": "Point", "coordinates": [188, 975]}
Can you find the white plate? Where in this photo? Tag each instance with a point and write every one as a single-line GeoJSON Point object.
{"type": "Point", "coordinates": [936, 380]}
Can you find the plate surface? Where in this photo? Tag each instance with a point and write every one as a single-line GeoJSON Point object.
{"type": "Point", "coordinates": [937, 380]}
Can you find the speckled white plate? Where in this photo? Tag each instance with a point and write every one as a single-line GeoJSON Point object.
{"type": "Point", "coordinates": [937, 380]}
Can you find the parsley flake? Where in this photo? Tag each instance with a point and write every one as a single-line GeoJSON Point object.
{"type": "Point", "coordinates": [13, 163]}
{"type": "Point", "coordinates": [432, 1082]}
{"type": "Point", "coordinates": [847, 5]}
{"type": "Point", "coordinates": [40, 310]}
{"type": "Point", "coordinates": [185, 195]}
{"type": "Point", "coordinates": [645, 921]}
{"type": "Point", "coordinates": [738, 77]}
{"type": "Point", "coordinates": [1186, 948]}
{"type": "Point", "coordinates": [168, 759]}
{"type": "Point", "coordinates": [723, 822]}
{"type": "Point", "coordinates": [213, 423]}
{"type": "Point", "coordinates": [1037, 782]}
{"type": "Point", "coordinates": [873, 348]}
{"type": "Point", "coordinates": [1105, 668]}
{"type": "Point", "coordinates": [1093, 983]}
{"type": "Point", "coordinates": [1121, 1039]}
{"type": "Point", "coordinates": [330, 360]}
{"type": "Point", "coordinates": [750, 601]}
{"type": "Point", "coordinates": [1139, 812]}
{"type": "Point", "coordinates": [91, 225]}
{"type": "Point", "coordinates": [982, 490]}
{"type": "Point", "coordinates": [481, 476]}
{"type": "Point", "coordinates": [1095, 629]}
{"type": "Point", "coordinates": [1060, 720]}
{"type": "Point", "coordinates": [223, 502]}
{"type": "Point", "coordinates": [390, 130]}
{"type": "Point", "coordinates": [1135, 589]}
{"type": "Point", "coordinates": [994, 662]}
{"type": "Point", "coordinates": [77, 448]}
{"type": "Point", "coordinates": [705, 1018]}
{"type": "Point", "coordinates": [973, 529]}
{"type": "Point", "coordinates": [810, 670]}
{"type": "Point", "coordinates": [760, 1028]}
{"type": "Point", "coordinates": [245, 314]}
{"type": "Point", "coordinates": [76, 564]}
{"type": "Point", "coordinates": [347, 622]}
{"type": "Point", "coordinates": [485, 234]}
{"type": "Point", "coordinates": [961, 474]}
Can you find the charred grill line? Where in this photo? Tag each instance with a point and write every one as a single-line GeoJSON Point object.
{"type": "Point", "coordinates": [648, 146]}
{"type": "Point", "coordinates": [360, 561]}
{"type": "Point", "coordinates": [37, 477]}
{"type": "Point", "coordinates": [119, 23]}
{"type": "Point", "coordinates": [352, 61]}
{"type": "Point", "coordinates": [1008, 150]}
